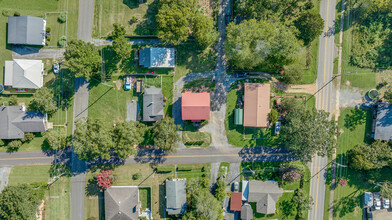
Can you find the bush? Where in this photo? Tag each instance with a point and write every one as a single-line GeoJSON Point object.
{"type": "Point", "coordinates": [1, 142]}
{"type": "Point", "coordinates": [136, 176]}
{"type": "Point", "coordinates": [17, 13]}
{"type": "Point", "coordinates": [48, 29]}
{"type": "Point", "coordinates": [5, 13]}
{"type": "Point", "coordinates": [62, 41]}
{"type": "Point", "coordinates": [28, 137]}
{"type": "Point", "coordinates": [62, 17]}
{"type": "Point", "coordinates": [184, 168]}
{"type": "Point", "coordinates": [13, 100]}
{"type": "Point", "coordinates": [48, 38]}
{"type": "Point", "coordinates": [14, 145]}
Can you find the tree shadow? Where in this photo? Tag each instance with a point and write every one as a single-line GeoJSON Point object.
{"type": "Point", "coordinates": [162, 200]}
{"type": "Point", "coordinates": [287, 209]}
{"type": "Point", "coordinates": [154, 155]}
{"type": "Point", "coordinates": [148, 26]}
{"type": "Point", "coordinates": [347, 204]}
{"type": "Point", "coordinates": [264, 154]}
{"type": "Point", "coordinates": [132, 3]}
{"type": "Point", "coordinates": [354, 118]}
{"type": "Point", "coordinates": [92, 188]}
{"type": "Point", "coordinates": [101, 164]}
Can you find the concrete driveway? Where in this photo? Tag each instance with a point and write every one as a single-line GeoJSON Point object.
{"type": "Point", "coordinates": [25, 52]}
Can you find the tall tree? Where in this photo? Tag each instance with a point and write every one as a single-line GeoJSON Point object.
{"type": "Point", "coordinates": [125, 136]}
{"type": "Point", "coordinates": [367, 157]}
{"type": "Point", "coordinates": [220, 190]}
{"type": "Point", "coordinates": [386, 190]}
{"type": "Point", "coordinates": [20, 202]}
{"type": "Point", "coordinates": [92, 140]}
{"type": "Point", "coordinates": [43, 101]}
{"type": "Point", "coordinates": [303, 201]}
{"type": "Point", "coordinates": [55, 138]}
{"type": "Point", "coordinates": [304, 137]}
{"type": "Point", "coordinates": [273, 116]}
{"type": "Point", "coordinates": [310, 25]}
{"type": "Point", "coordinates": [203, 30]}
{"type": "Point", "coordinates": [166, 136]}
{"type": "Point", "coordinates": [120, 44]}
{"type": "Point", "coordinates": [82, 58]}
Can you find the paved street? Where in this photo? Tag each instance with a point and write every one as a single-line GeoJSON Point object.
{"type": "Point", "coordinates": [325, 100]}
{"type": "Point", "coordinates": [85, 20]}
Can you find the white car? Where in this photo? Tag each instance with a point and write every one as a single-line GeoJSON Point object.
{"type": "Point", "coordinates": [385, 203]}
{"type": "Point", "coordinates": [377, 204]}
{"type": "Point", "coordinates": [56, 68]}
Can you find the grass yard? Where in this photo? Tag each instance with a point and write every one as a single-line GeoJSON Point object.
{"type": "Point", "coordinates": [145, 197]}
{"type": "Point", "coordinates": [57, 197]}
{"type": "Point", "coordinates": [57, 29]}
{"type": "Point", "coordinates": [94, 207]}
{"type": "Point", "coordinates": [123, 12]}
{"type": "Point", "coordinates": [356, 125]}
{"type": "Point", "coordinates": [204, 82]}
{"type": "Point", "coordinates": [197, 170]}
{"type": "Point", "coordinates": [196, 139]}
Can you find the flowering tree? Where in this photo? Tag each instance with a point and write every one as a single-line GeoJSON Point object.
{"type": "Point", "coordinates": [289, 173]}
{"type": "Point", "coordinates": [105, 179]}
{"type": "Point", "coordinates": [343, 182]}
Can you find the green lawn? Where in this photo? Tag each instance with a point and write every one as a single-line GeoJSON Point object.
{"type": "Point", "coordinates": [224, 168]}
{"type": "Point", "coordinates": [122, 11]}
{"type": "Point", "coordinates": [196, 172]}
{"type": "Point", "coordinates": [145, 197]}
{"type": "Point", "coordinates": [57, 197]}
{"type": "Point", "coordinates": [203, 139]}
{"type": "Point", "coordinates": [57, 29]}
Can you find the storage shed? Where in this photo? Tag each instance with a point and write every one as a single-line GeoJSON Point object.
{"type": "Point", "coordinates": [238, 116]}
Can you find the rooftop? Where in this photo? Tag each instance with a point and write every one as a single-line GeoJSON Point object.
{"type": "Point", "coordinates": [122, 203]}
{"type": "Point", "coordinates": [256, 104]}
{"type": "Point", "coordinates": [195, 106]}
{"type": "Point", "coordinates": [152, 104]}
{"type": "Point", "coordinates": [175, 196]}
{"type": "Point", "coordinates": [26, 30]}
{"type": "Point", "coordinates": [383, 129]}
{"type": "Point", "coordinates": [157, 57]}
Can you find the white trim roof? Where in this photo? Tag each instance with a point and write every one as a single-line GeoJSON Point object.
{"type": "Point", "coordinates": [24, 74]}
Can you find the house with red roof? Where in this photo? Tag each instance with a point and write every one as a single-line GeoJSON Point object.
{"type": "Point", "coordinates": [236, 201]}
{"type": "Point", "coordinates": [195, 106]}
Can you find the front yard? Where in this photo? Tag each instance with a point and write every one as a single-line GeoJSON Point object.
{"type": "Point", "coordinates": [94, 201]}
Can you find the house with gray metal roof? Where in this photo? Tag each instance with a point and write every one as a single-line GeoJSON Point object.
{"type": "Point", "coordinates": [26, 30]}
{"type": "Point", "coordinates": [153, 104]}
{"type": "Point", "coordinates": [24, 74]}
{"type": "Point", "coordinates": [176, 196]}
{"type": "Point", "coordinates": [383, 125]}
{"type": "Point", "coordinates": [15, 121]}
{"type": "Point", "coordinates": [122, 202]}
{"type": "Point", "coordinates": [265, 194]}
{"type": "Point", "coordinates": [246, 212]}
{"type": "Point", "coordinates": [157, 57]}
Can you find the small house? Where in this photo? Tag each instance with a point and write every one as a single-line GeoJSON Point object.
{"type": "Point", "coordinates": [383, 124]}
{"type": "Point", "coordinates": [24, 74]}
{"type": "Point", "coordinates": [265, 194]}
{"type": "Point", "coordinates": [157, 57]}
{"type": "Point", "coordinates": [238, 116]}
{"type": "Point", "coordinates": [256, 104]}
{"type": "Point", "coordinates": [152, 104]}
{"type": "Point", "coordinates": [15, 121]}
{"type": "Point", "coordinates": [176, 196]}
{"type": "Point", "coordinates": [235, 201]}
{"type": "Point", "coordinates": [26, 30]}
{"type": "Point", "coordinates": [246, 212]}
{"type": "Point", "coordinates": [122, 202]}
{"type": "Point", "coordinates": [195, 106]}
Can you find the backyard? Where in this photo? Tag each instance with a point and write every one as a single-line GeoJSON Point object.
{"type": "Point", "coordinates": [57, 197]}
{"type": "Point", "coordinates": [94, 207]}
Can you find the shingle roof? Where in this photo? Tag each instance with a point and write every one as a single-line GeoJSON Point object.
{"type": "Point", "coordinates": [152, 104]}
{"type": "Point", "coordinates": [25, 74]}
{"type": "Point", "coordinates": [246, 212]}
{"type": "Point", "coordinates": [383, 129]}
{"type": "Point", "coordinates": [122, 203]}
{"type": "Point", "coordinates": [26, 30]}
{"type": "Point", "coordinates": [265, 194]}
{"type": "Point", "coordinates": [14, 122]}
{"type": "Point", "coordinates": [235, 201]}
{"type": "Point", "coordinates": [157, 57]}
{"type": "Point", "coordinates": [195, 106]}
{"type": "Point", "coordinates": [175, 197]}
{"type": "Point", "coordinates": [256, 104]}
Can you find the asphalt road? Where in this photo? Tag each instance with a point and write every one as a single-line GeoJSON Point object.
{"type": "Point", "coordinates": [85, 20]}
{"type": "Point", "coordinates": [325, 100]}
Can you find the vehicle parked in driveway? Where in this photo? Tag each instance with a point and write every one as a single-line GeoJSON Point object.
{"type": "Point", "coordinates": [377, 201]}
{"type": "Point", "coordinates": [369, 213]}
{"type": "Point", "coordinates": [385, 203]}
{"type": "Point", "coordinates": [277, 127]}
{"type": "Point", "coordinates": [240, 75]}
{"type": "Point", "coordinates": [236, 187]}
{"type": "Point", "coordinates": [56, 68]}
{"type": "Point", "coordinates": [127, 83]}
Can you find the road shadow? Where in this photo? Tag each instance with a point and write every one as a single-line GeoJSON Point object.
{"type": "Point", "coordinates": [151, 156]}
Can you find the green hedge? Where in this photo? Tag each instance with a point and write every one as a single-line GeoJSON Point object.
{"type": "Point", "coordinates": [184, 168]}
{"type": "Point", "coordinates": [164, 169]}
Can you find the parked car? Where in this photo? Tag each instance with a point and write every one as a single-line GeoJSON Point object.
{"type": "Point", "coordinates": [385, 203]}
{"type": "Point", "coordinates": [236, 187]}
{"type": "Point", "coordinates": [377, 201]}
{"type": "Point", "coordinates": [56, 68]}
{"type": "Point", "coordinates": [277, 127]}
{"type": "Point", "coordinates": [240, 75]}
{"type": "Point", "coordinates": [127, 83]}
{"type": "Point", "coordinates": [369, 213]}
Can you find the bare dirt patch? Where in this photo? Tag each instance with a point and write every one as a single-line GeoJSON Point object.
{"type": "Point", "coordinates": [118, 84]}
{"type": "Point", "coordinates": [208, 6]}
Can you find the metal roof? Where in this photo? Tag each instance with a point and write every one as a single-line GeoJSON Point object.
{"type": "Point", "coordinates": [175, 197]}
{"type": "Point", "coordinates": [24, 74]}
{"type": "Point", "coordinates": [195, 106]}
{"type": "Point", "coordinates": [26, 30]}
{"type": "Point", "coordinates": [235, 201]}
{"type": "Point", "coordinates": [383, 129]}
{"type": "Point", "coordinates": [238, 116]}
{"type": "Point", "coordinates": [256, 104]}
{"type": "Point", "coordinates": [157, 57]}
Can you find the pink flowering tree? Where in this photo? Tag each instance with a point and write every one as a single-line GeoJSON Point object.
{"type": "Point", "coordinates": [343, 182]}
{"type": "Point", "coordinates": [289, 173]}
{"type": "Point", "coordinates": [105, 179]}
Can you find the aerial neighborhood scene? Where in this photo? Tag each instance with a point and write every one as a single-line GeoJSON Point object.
{"type": "Point", "coordinates": [195, 109]}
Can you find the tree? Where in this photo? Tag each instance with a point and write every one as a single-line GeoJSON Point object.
{"type": "Point", "coordinates": [304, 137]}
{"type": "Point", "coordinates": [92, 140]}
{"type": "Point", "coordinates": [254, 43]}
{"type": "Point", "coordinates": [14, 145]}
{"type": "Point", "coordinates": [203, 30]}
{"type": "Point", "coordinates": [206, 206]}
{"type": "Point", "coordinates": [173, 23]}
{"type": "Point", "coordinates": [310, 25]}
{"type": "Point", "coordinates": [367, 157]}
{"type": "Point", "coordinates": [43, 101]}
{"type": "Point", "coordinates": [273, 116]}
{"type": "Point", "coordinates": [293, 74]}
{"type": "Point", "coordinates": [304, 202]}
{"type": "Point", "coordinates": [220, 191]}
{"type": "Point", "coordinates": [166, 136]}
{"type": "Point", "coordinates": [20, 201]}
{"type": "Point", "coordinates": [289, 104]}
{"type": "Point", "coordinates": [82, 58]}
{"type": "Point", "coordinates": [55, 138]}
{"type": "Point", "coordinates": [28, 137]}
{"type": "Point", "coordinates": [386, 190]}
{"type": "Point", "coordinates": [105, 179]}
{"type": "Point", "coordinates": [136, 176]}
{"type": "Point", "coordinates": [388, 96]}
{"type": "Point", "coordinates": [120, 44]}
{"type": "Point", "coordinates": [126, 135]}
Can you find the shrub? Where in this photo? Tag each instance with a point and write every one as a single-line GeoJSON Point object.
{"type": "Point", "coordinates": [136, 176]}
{"type": "Point", "coordinates": [62, 17]}
{"type": "Point", "coordinates": [48, 29]}
{"type": "Point", "coordinates": [17, 13]}
{"type": "Point", "coordinates": [164, 169]}
{"type": "Point", "coordinates": [14, 145]}
{"type": "Point", "coordinates": [184, 168]}
{"type": "Point", "coordinates": [28, 137]}
{"type": "Point", "coordinates": [62, 41]}
{"type": "Point", "coordinates": [1, 142]}
{"type": "Point", "coordinates": [13, 100]}
{"type": "Point", "coordinates": [5, 13]}
{"type": "Point", "coordinates": [48, 38]}
{"type": "Point", "coordinates": [105, 179]}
